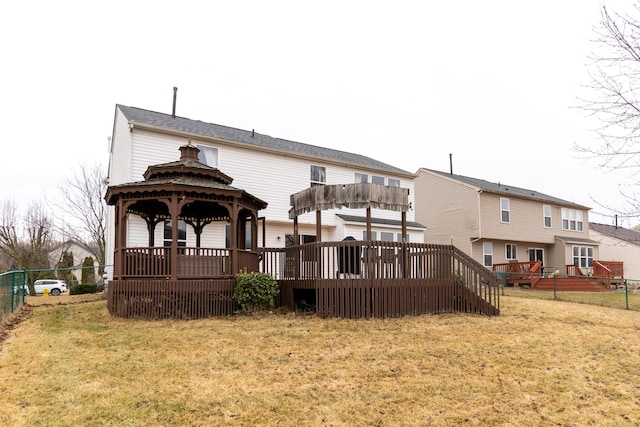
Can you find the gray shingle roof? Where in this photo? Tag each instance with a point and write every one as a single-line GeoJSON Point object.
{"type": "Point", "coordinates": [509, 190]}
{"type": "Point", "coordinates": [619, 233]}
{"type": "Point", "coordinates": [211, 130]}
{"type": "Point", "coordinates": [571, 239]}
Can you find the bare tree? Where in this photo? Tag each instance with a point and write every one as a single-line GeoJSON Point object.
{"type": "Point", "coordinates": [614, 101]}
{"type": "Point", "coordinates": [615, 85]}
{"type": "Point", "coordinates": [83, 201]}
{"type": "Point", "coordinates": [26, 241]}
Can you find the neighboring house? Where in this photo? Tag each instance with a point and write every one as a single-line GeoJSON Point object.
{"type": "Point", "coordinates": [618, 244]}
{"type": "Point", "coordinates": [271, 169]}
{"type": "Point", "coordinates": [79, 250]}
{"type": "Point", "coordinates": [496, 223]}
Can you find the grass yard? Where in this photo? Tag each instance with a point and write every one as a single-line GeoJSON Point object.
{"type": "Point", "coordinates": [606, 299]}
{"type": "Point", "coordinates": [539, 363]}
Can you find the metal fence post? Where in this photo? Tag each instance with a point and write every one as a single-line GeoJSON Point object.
{"type": "Point", "coordinates": [626, 293]}
{"type": "Point", "coordinates": [13, 291]}
{"type": "Point", "coordinates": [554, 286]}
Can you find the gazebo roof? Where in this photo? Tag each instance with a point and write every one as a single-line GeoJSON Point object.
{"type": "Point", "coordinates": [187, 177]}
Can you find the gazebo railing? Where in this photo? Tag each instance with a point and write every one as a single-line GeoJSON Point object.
{"type": "Point", "coordinates": [192, 263]}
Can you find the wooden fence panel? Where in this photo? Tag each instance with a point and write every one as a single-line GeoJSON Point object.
{"type": "Point", "coordinates": [167, 299]}
{"type": "Point", "coordinates": [350, 298]}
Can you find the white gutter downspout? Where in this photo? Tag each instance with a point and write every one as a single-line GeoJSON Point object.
{"type": "Point", "coordinates": [479, 225]}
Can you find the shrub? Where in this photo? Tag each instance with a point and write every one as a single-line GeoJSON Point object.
{"type": "Point", "coordinates": [255, 291]}
{"type": "Point", "coordinates": [83, 289]}
{"type": "Point", "coordinates": [88, 272]}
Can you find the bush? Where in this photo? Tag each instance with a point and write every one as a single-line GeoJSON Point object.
{"type": "Point", "coordinates": [255, 291]}
{"type": "Point", "coordinates": [83, 289]}
{"type": "Point", "coordinates": [88, 272]}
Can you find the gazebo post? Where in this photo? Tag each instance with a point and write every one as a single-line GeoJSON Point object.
{"type": "Point", "coordinates": [233, 225]}
{"type": "Point", "coordinates": [174, 211]}
{"type": "Point", "coordinates": [404, 261]}
{"type": "Point", "coordinates": [318, 226]}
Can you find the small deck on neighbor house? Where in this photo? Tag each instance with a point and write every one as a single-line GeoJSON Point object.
{"type": "Point", "coordinates": [349, 279]}
{"type": "Point", "coordinates": [606, 274]}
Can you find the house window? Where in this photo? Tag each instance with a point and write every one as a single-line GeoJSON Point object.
{"type": "Point", "coordinates": [374, 235]}
{"type": "Point", "coordinates": [247, 236]}
{"type": "Point", "coordinates": [208, 155]}
{"type": "Point", "coordinates": [510, 252]}
{"type": "Point", "coordinates": [394, 182]}
{"type": "Point", "coordinates": [583, 256]}
{"type": "Point", "coordinates": [361, 178]}
{"type": "Point", "coordinates": [304, 238]}
{"type": "Point", "coordinates": [504, 209]}
{"type": "Point", "coordinates": [487, 254]}
{"type": "Point", "coordinates": [571, 219]}
{"type": "Point", "coordinates": [377, 179]}
{"type": "Point", "coordinates": [318, 175]}
{"type": "Point", "coordinates": [546, 213]}
{"type": "Point", "coordinates": [386, 236]}
{"type": "Point", "coordinates": [182, 233]}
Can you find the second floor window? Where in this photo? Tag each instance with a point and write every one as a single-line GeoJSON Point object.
{"type": "Point", "coordinates": [318, 175]}
{"type": "Point", "coordinates": [208, 156]}
{"type": "Point", "coordinates": [571, 219]}
{"type": "Point", "coordinates": [394, 182]}
{"type": "Point", "coordinates": [510, 252]}
{"type": "Point", "coordinates": [504, 210]}
{"type": "Point", "coordinates": [546, 213]}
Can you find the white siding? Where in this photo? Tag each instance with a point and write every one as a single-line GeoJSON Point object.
{"type": "Point", "coordinates": [121, 146]}
{"type": "Point", "coordinates": [269, 176]}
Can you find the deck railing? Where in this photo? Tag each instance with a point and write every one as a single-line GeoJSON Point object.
{"type": "Point", "coordinates": [192, 263]}
{"type": "Point", "coordinates": [520, 272]}
{"type": "Point", "coordinates": [407, 272]}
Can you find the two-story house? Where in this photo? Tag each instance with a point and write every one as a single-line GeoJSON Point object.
{"type": "Point", "coordinates": [269, 168]}
{"type": "Point", "coordinates": [496, 223]}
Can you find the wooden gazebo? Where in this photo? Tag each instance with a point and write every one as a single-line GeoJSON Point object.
{"type": "Point", "coordinates": [173, 279]}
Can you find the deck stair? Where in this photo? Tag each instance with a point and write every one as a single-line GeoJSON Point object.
{"type": "Point", "coordinates": [570, 284]}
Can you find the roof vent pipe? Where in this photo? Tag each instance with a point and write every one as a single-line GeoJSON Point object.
{"type": "Point", "coordinates": [253, 133]}
{"type": "Point", "coordinates": [173, 111]}
{"type": "Point", "coordinates": [450, 164]}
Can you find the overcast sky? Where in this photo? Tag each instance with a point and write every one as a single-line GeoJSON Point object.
{"type": "Point", "coordinates": [492, 83]}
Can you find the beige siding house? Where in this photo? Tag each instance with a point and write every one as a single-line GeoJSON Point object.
{"type": "Point", "coordinates": [619, 244]}
{"type": "Point", "coordinates": [269, 168]}
{"type": "Point", "coordinates": [495, 223]}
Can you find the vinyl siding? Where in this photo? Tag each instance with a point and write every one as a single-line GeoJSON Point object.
{"type": "Point", "coordinates": [267, 175]}
{"type": "Point", "coordinates": [526, 221]}
{"type": "Point", "coordinates": [448, 209]}
{"type": "Point", "coordinates": [612, 249]}
{"type": "Point", "coordinates": [121, 146]}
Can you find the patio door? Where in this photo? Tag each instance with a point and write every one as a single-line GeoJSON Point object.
{"type": "Point", "coordinates": [537, 254]}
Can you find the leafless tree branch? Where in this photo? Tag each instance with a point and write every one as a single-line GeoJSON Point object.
{"type": "Point", "coordinates": [83, 201]}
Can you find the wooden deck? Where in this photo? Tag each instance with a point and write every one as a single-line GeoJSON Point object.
{"type": "Point", "coordinates": [530, 275]}
{"type": "Point", "coordinates": [354, 279]}
{"type": "Point", "coordinates": [348, 279]}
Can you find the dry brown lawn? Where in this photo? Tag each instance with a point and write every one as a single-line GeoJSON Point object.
{"type": "Point", "coordinates": [539, 363]}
